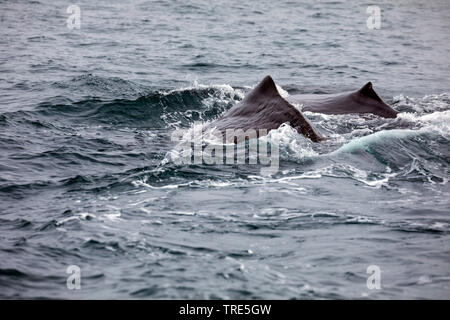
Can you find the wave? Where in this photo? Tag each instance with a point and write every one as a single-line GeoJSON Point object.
{"type": "Point", "coordinates": [157, 109]}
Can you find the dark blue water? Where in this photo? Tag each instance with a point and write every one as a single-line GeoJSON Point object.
{"type": "Point", "coordinates": [87, 177]}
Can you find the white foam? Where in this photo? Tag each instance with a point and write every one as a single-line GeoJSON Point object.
{"type": "Point", "coordinates": [438, 121]}
{"type": "Point", "coordinates": [282, 92]}
{"type": "Point", "coordinates": [293, 146]}
{"type": "Point", "coordinates": [428, 103]}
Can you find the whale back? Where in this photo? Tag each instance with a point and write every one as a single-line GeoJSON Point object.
{"type": "Point", "coordinates": [367, 90]}
{"type": "Point", "coordinates": [264, 108]}
{"type": "Point", "coordinates": [364, 100]}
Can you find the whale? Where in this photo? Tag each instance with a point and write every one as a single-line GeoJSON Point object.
{"type": "Point", "coordinates": [263, 109]}
{"type": "Point", "coordinates": [364, 100]}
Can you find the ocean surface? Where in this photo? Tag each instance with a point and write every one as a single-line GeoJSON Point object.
{"type": "Point", "coordinates": [88, 179]}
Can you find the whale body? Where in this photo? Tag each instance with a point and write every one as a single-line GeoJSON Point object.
{"type": "Point", "coordinates": [364, 100]}
{"type": "Point", "coordinates": [264, 108]}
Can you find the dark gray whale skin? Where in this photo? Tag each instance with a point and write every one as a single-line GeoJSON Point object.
{"type": "Point", "coordinates": [264, 108]}
{"type": "Point", "coordinates": [364, 100]}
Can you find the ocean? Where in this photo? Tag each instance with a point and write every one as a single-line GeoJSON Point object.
{"type": "Point", "coordinates": [88, 180]}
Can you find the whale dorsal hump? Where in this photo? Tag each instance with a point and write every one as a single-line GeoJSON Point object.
{"type": "Point", "coordinates": [266, 88]}
{"type": "Point", "coordinates": [367, 90]}
{"type": "Point", "coordinates": [264, 108]}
